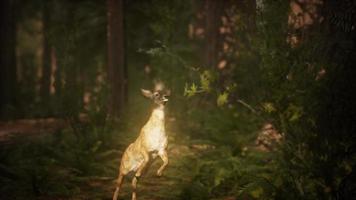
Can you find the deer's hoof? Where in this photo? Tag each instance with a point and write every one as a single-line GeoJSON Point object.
{"type": "Point", "coordinates": [159, 173]}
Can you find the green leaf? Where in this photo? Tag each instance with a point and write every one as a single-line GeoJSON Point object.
{"type": "Point", "coordinates": [294, 112]}
{"type": "Point", "coordinates": [268, 107]}
{"type": "Point", "coordinates": [190, 91]}
{"type": "Point", "coordinates": [205, 80]}
{"type": "Point", "coordinates": [193, 88]}
{"type": "Point", "coordinates": [220, 176]}
{"type": "Point", "coordinates": [186, 90]}
{"type": "Point", "coordinates": [222, 99]}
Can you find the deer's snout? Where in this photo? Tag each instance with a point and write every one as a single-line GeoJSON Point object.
{"type": "Point", "coordinates": [164, 100]}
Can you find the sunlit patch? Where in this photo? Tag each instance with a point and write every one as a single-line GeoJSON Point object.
{"type": "Point", "coordinates": [222, 64]}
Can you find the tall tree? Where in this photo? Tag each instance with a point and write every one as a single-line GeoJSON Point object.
{"type": "Point", "coordinates": [116, 57]}
{"type": "Point", "coordinates": [46, 57]}
{"type": "Point", "coordinates": [213, 12]}
{"type": "Point", "coordinates": [7, 54]}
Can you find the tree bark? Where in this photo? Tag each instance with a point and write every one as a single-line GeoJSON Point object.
{"type": "Point", "coordinates": [213, 13]}
{"type": "Point", "coordinates": [116, 58]}
{"type": "Point", "coordinates": [46, 57]}
{"type": "Point", "coordinates": [8, 80]}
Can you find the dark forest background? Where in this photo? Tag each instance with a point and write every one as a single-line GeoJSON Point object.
{"type": "Point", "coordinates": [263, 97]}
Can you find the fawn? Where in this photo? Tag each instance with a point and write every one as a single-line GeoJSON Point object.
{"type": "Point", "coordinates": [152, 141]}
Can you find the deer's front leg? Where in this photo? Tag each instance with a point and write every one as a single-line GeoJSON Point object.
{"type": "Point", "coordinates": [163, 155]}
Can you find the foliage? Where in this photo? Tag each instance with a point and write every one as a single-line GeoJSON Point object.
{"type": "Point", "coordinates": [55, 164]}
{"type": "Point", "coordinates": [315, 158]}
{"type": "Point", "coordinates": [305, 90]}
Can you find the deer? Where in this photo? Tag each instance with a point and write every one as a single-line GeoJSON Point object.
{"type": "Point", "coordinates": [151, 142]}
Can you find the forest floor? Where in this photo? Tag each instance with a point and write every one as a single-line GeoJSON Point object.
{"type": "Point", "coordinates": [150, 187]}
{"type": "Point", "coordinates": [183, 157]}
{"type": "Point", "coordinates": [25, 127]}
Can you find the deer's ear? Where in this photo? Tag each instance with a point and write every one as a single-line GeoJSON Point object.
{"type": "Point", "coordinates": [146, 93]}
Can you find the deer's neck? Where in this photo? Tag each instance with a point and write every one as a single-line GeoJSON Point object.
{"type": "Point", "coordinates": [157, 116]}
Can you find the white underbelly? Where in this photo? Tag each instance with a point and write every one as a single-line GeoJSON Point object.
{"type": "Point", "coordinates": [156, 140]}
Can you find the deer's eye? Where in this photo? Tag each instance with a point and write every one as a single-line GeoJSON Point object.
{"type": "Point", "coordinates": [156, 95]}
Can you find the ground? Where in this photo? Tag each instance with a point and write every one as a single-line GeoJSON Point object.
{"type": "Point", "coordinates": [150, 187]}
{"type": "Point", "coordinates": [182, 157]}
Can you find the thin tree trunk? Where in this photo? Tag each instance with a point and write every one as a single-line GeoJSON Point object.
{"type": "Point", "coordinates": [46, 67]}
{"type": "Point", "coordinates": [126, 71]}
{"type": "Point", "coordinates": [116, 58]}
{"type": "Point", "coordinates": [251, 12]}
{"type": "Point", "coordinates": [213, 12]}
{"type": "Point", "coordinates": [8, 82]}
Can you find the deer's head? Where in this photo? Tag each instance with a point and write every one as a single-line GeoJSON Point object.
{"type": "Point", "coordinates": [159, 95]}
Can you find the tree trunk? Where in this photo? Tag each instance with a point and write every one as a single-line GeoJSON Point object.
{"type": "Point", "coordinates": [46, 57]}
{"type": "Point", "coordinates": [213, 13]}
{"type": "Point", "coordinates": [250, 10]}
{"type": "Point", "coordinates": [8, 80]}
{"type": "Point", "coordinates": [116, 58]}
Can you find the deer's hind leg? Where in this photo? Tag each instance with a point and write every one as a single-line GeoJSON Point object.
{"type": "Point", "coordinates": [138, 173]}
{"type": "Point", "coordinates": [118, 185]}
{"type": "Point", "coordinates": [134, 187]}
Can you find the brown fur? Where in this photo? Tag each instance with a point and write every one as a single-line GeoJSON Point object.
{"type": "Point", "coordinates": [152, 140]}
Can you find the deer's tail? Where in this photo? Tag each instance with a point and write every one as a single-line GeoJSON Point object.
{"type": "Point", "coordinates": [118, 185]}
